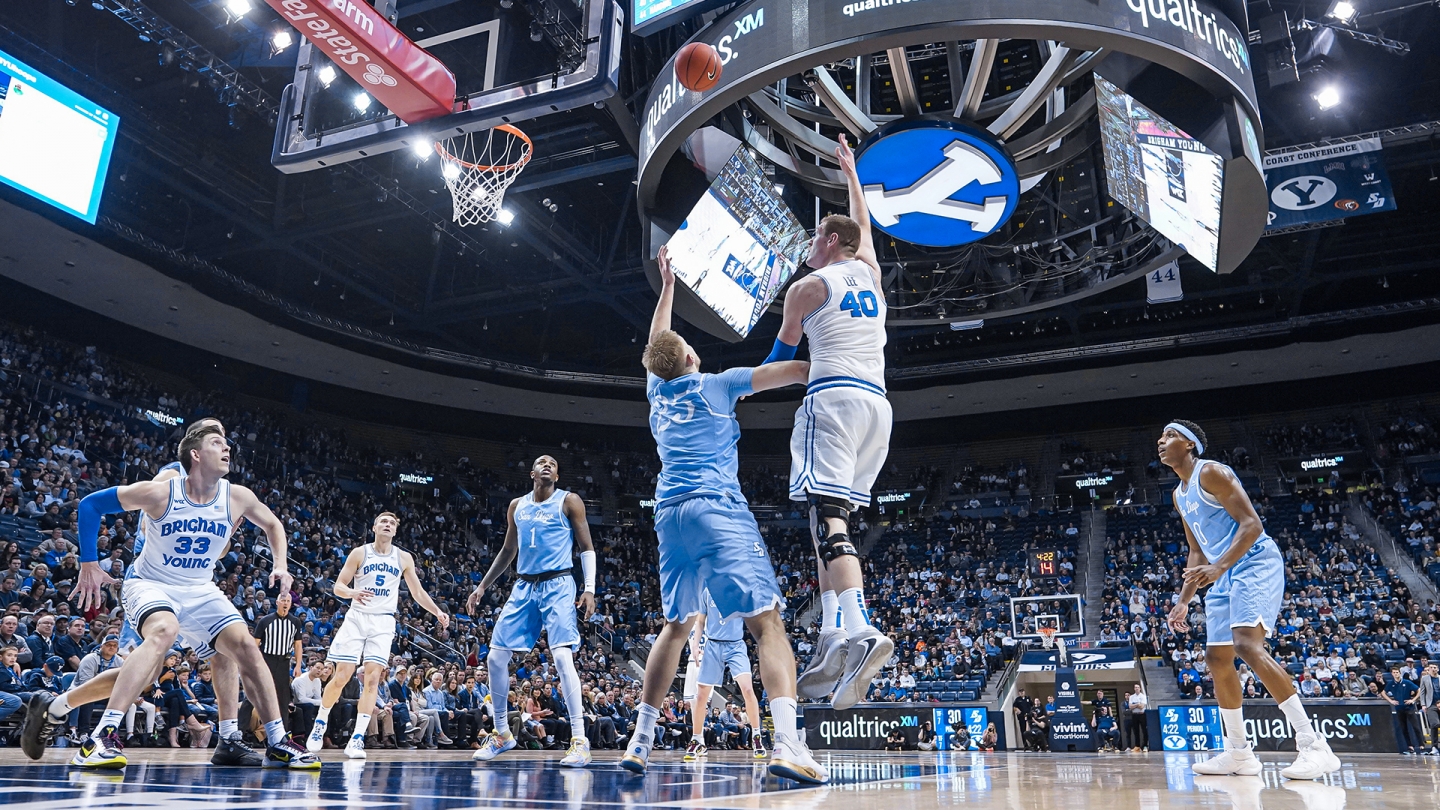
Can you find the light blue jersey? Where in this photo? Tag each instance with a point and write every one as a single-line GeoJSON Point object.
{"type": "Point", "coordinates": [1213, 527]}
{"type": "Point", "coordinates": [717, 629]}
{"type": "Point", "coordinates": [693, 420]}
{"type": "Point", "coordinates": [544, 534]}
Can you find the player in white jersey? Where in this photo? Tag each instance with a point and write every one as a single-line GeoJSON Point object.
{"type": "Point", "coordinates": [46, 713]}
{"type": "Point", "coordinates": [369, 626]}
{"type": "Point", "coordinates": [172, 589]}
{"type": "Point", "coordinates": [719, 645]}
{"type": "Point", "coordinates": [544, 528]}
{"type": "Point", "coordinates": [1231, 553]}
{"type": "Point", "coordinates": [841, 435]}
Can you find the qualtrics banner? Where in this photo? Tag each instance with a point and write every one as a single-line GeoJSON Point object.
{"type": "Point", "coordinates": [398, 73]}
{"type": "Point", "coordinates": [866, 727]}
{"type": "Point", "coordinates": [1349, 726]}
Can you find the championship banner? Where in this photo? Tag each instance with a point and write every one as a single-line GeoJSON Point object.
{"type": "Point", "coordinates": [1069, 729]}
{"type": "Point", "coordinates": [398, 73]}
{"type": "Point", "coordinates": [865, 728]}
{"type": "Point", "coordinates": [1327, 183]}
{"type": "Point", "coordinates": [1106, 658]}
{"type": "Point", "coordinates": [1349, 726]}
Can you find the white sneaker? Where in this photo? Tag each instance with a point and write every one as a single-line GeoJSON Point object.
{"type": "Point", "coordinates": [1314, 758]}
{"type": "Point", "coordinates": [579, 754]}
{"type": "Point", "coordinates": [1230, 762]}
{"type": "Point", "coordinates": [866, 653]}
{"type": "Point", "coordinates": [637, 757]}
{"type": "Point", "coordinates": [1318, 795]}
{"type": "Point", "coordinates": [826, 666]}
{"type": "Point", "coordinates": [355, 749]}
{"type": "Point", "coordinates": [495, 745]}
{"type": "Point", "coordinates": [792, 760]}
{"type": "Point", "coordinates": [1244, 793]}
{"type": "Point", "coordinates": [316, 740]}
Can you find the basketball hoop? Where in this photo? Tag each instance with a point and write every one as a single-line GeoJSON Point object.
{"type": "Point", "coordinates": [1047, 636]}
{"type": "Point", "coordinates": [478, 171]}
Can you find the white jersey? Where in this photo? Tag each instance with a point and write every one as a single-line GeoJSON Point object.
{"type": "Point", "coordinates": [182, 546]}
{"type": "Point", "coordinates": [380, 575]}
{"type": "Point", "coordinates": [847, 332]}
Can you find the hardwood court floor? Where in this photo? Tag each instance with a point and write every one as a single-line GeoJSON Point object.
{"type": "Point", "coordinates": [182, 779]}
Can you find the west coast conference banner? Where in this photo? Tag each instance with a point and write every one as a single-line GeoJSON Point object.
{"type": "Point", "coordinates": [1327, 183]}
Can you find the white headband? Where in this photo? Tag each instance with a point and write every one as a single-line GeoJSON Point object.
{"type": "Point", "coordinates": [1184, 431]}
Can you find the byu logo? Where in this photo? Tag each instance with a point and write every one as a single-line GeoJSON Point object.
{"type": "Point", "coordinates": [1304, 192]}
{"type": "Point", "coordinates": [937, 183]}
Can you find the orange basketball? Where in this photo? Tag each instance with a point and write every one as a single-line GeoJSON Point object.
{"type": "Point", "coordinates": [697, 66]}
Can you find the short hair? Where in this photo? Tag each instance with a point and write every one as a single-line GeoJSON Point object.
{"type": "Point", "coordinates": [193, 439]}
{"type": "Point", "coordinates": [546, 455]}
{"type": "Point", "coordinates": [665, 355]}
{"type": "Point", "coordinates": [1199, 434]}
{"type": "Point", "coordinates": [844, 227]}
{"type": "Point", "coordinates": [390, 515]}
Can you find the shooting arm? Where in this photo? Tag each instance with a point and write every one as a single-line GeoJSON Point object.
{"type": "Point", "coordinates": [661, 320]}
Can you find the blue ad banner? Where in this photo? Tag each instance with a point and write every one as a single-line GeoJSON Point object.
{"type": "Point", "coordinates": [866, 726]}
{"type": "Point", "coordinates": [1327, 183]}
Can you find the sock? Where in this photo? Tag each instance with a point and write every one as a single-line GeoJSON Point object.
{"type": "Point", "coordinates": [274, 732]}
{"type": "Point", "coordinates": [852, 606]}
{"type": "Point", "coordinates": [1233, 722]}
{"type": "Point", "coordinates": [1295, 713]}
{"type": "Point", "coordinates": [362, 722]}
{"type": "Point", "coordinates": [59, 707]}
{"type": "Point", "coordinates": [644, 736]}
{"type": "Point", "coordinates": [229, 729]}
{"type": "Point", "coordinates": [323, 716]}
{"type": "Point", "coordinates": [109, 721]}
{"type": "Point", "coordinates": [830, 612]}
{"type": "Point", "coordinates": [782, 714]}
{"type": "Point", "coordinates": [498, 665]}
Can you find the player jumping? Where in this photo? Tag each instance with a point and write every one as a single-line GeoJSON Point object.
{"type": "Point", "coordinates": [543, 528]}
{"type": "Point", "coordinates": [708, 539]}
{"type": "Point", "coordinates": [841, 435]}
{"type": "Point", "coordinates": [1231, 553]}
{"type": "Point", "coordinates": [369, 626]}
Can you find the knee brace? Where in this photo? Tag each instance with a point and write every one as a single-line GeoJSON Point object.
{"type": "Point", "coordinates": [830, 547]}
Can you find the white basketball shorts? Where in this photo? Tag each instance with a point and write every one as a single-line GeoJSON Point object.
{"type": "Point", "coordinates": [201, 609]}
{"type": "Point", "coordinates": [841, 439]}
{"type": "Point", "coordinates": [363, 638]}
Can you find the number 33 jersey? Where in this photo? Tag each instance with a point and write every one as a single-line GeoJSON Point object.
{"type": "Point", "coordinates": [182, 546]}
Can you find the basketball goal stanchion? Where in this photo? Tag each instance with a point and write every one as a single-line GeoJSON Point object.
{"type": "Point", "coordinates": [478, 168]}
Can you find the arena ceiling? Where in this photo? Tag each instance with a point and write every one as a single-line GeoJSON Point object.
{"type": "Point", "coordinates": [361, 256]}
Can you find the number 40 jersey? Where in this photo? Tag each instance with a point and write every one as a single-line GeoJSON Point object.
{"type": "Point", "coordinates": [847, 332]}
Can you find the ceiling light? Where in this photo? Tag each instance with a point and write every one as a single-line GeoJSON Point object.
{"type": "Point", "coordinates": [326, 75]}
{"type": "Point", "coordinates": [537, 33]}
{"type": "Point", "coordinates": [450, 172]}
{"type": "Point", "coordinates": [423, 149]}
{"type": "Point", "coordinates": [505, 217]}
{"type": "Point", "coordinates": [1343, 10]}
{"type": "Point", "coordinates": [1328, 97]}
{"type": "Point", "coordinates": [282, 40]}
{"type": "Point", "coordinates": [361, 101]}
{"type": "Point", "coordinates": [238, 8]}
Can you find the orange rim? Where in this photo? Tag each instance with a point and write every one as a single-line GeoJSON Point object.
{"type": "Point", "coordinates": [512, 130]}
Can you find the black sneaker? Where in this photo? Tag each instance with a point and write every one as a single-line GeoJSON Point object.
{"type": "Point", "coordinates": [237, 753]}
{"type": "Point", "coordinates": [39, 729]}
{"type": "Point", "coordinates": [289, 754]}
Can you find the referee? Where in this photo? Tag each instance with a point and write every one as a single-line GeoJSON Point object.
{"type": "Point", "coordinates": [278, 635]}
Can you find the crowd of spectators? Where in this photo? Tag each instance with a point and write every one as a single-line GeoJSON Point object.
{"type": "Point", "coordinates": [1404, 436]}
{"type": "Point", "coordinates": [1293, 440]}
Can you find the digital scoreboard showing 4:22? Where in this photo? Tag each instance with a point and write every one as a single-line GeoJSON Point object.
{"type": "Point", "coordinates": [1191, 728]}
{"type": "Point", "coordinates": [1044, 563]}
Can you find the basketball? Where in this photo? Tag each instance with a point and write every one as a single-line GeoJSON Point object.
{"type": "Point", "coordinates": [697, 66]}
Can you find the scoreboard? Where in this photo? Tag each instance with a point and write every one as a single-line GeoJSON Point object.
{"type": "Point", "coordinates": [1044, 563]}
{"type": "Point", "coordinates": [1191, 728]}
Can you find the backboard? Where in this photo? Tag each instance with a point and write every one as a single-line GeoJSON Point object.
{"type": "Point", "coordinates": [1028, 613]}
{"type": "Point", "coordinates": [512, 61]}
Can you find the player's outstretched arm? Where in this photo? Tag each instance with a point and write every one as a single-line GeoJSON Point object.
{"type": "Point", "coordinates": [151, 497]}
{"type": "Point", "coordinates": [418, 592]}
{"type": "Point", "coordinates": [249, 507]}
{"type": "Point", "coordinates": [859, 211]}
{"type": "Point", "coordinates": [661, 320]}
{"type": "Point", "coordinates": [779, 375]}
{"type": "Point", "coordinates": [508, 550]}
{"type": "Point", "coordinates": [347, 573]}
{"type": "Point", "coordinates": [580, 526]}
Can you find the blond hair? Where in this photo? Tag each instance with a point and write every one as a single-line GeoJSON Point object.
{"type": "Point", "coordinates": [665, 355]}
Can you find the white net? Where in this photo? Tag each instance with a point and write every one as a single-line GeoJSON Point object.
{"type": "Point", "coordinates": [479, 167]}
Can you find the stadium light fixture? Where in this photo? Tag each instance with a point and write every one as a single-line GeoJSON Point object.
{"type": "Point", "coordinates": [1328, 97]}
{"type": "Point", "coordinates": [326, 75]}
{"type": "Point", "coordinates": [1343, 10]}
{"type": "Point", "coordinates": [283, 39]}
{"type": "Point", "coordinates": [423, 149]}
{"type": "Point", "coordinates": [238, 8]}
{"type": "Point", "coordinates": [361, 101]}
{"type": "Point", "coordinates": [505, 217]}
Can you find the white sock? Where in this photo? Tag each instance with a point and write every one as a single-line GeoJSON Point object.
{"type": "Point", "coordinates": [229, 729]}
{"type": "Point", "coordinates": [59, 707]}
{"type": "Point", "coordinates": [362, 724]}
{"type": "Point", "coordinates": [1233, 722]}
{"type": "Point", "coordinates": [644, 735]}
{"type": "Point", "coordinates": [1295, 713]}
{"type": "Point", "coordinates": [275, 732]}
{"type": "Point", "coordinates": [323, 716]}
{"type": "Point", "coordinates": [570, 689]}
{"type": "Point", "coordinates": [109, 721]}
{"type": "Point", "coordinates": [830, 612]}
{"type": "Point", "coordinates": [498, 665]}
{"type": "Point", "coordinates": [782, 714]}
{"type": "Point", "coordinates": [852, 607]}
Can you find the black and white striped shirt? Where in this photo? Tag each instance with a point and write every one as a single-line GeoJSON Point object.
{"type": "Point", "coordinates": [277, 634]}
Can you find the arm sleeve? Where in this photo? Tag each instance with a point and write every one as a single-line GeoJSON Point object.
{"type": "Point", "coordinates": [92, 508]}
{"type": "Point", "coordinates": [781, 351]}
{"type": "Point", "coordinates": [587, 569]}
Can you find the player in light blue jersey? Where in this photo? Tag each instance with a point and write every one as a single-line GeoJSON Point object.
{"type": "Point", "coordinates": [721, 646]}
{"type": "Point", "coordinates": [544, 527]}
{"type": "Point", "coordinates": [708, 539]}
{"type": "Point", "coordinates": [1231, 553]}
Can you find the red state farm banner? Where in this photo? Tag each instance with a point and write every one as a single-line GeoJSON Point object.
{"type": "Point", "coordinates": [398, 73]}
